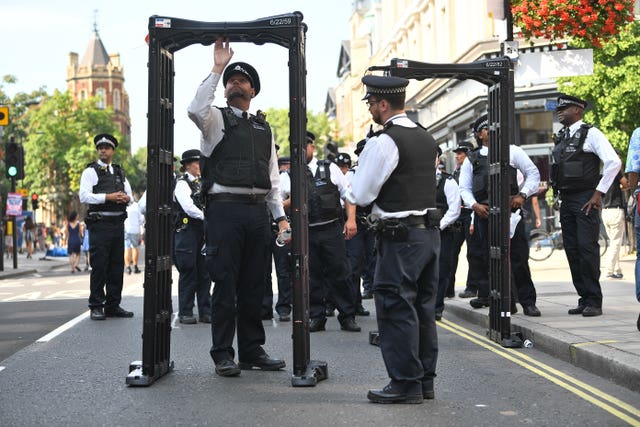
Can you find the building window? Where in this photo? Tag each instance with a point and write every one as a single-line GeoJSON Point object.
{"type": "Point", "coordinates": [83, 95]}
{"type": "Point", "coordinates": [100, 95]}
{"type": "Point", "coordinates": [116, 100]}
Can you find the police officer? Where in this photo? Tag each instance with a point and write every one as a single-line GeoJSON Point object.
{"type": "Point", "coordinates": [241, 180]}
{"type": "Point", "coordinates": [575, 176]}
{"type": "Point", "coordinates": [474, 187]}
{"type": "Point", "coordinates": [448, 201]}
{"type": "Point", "coordinates": [360, 246]}
{"type": "Point", "coordinates": [328, 263]}
{"type": "Point", "coordinates": [282, 253]}
{"type": "Point", "coordinates": [461, 234]}
{"type": "Point", "coordinates": [105, 189]}
{"type": "Point", "coordinates": [396, 173]}
{"type": "Point", "coordinates": [188, 240]}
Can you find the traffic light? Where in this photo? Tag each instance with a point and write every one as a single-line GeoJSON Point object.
{"type": "Point", "coordinates": [12, 159]}
{"type": "Point", "coordinates": [34, 201]}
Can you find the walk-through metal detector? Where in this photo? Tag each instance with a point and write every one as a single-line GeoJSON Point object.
{"type": "Point", "coordinates": [167, 36]}
{"type": "Point", "coordinates": [497, 75]}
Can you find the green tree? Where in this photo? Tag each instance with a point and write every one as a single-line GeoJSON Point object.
{"type": "Point", "coordinates": [612, 89]}
{"type": "Point", "coordinates": [60, 145]}
{"type": "Point", "coordinates": [319, 124]}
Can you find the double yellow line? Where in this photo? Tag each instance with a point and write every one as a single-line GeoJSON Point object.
{"type": "Point", "coordinates": [611, 404]}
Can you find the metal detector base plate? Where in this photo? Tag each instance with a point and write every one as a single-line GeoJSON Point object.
{"type": "Point", "coordinates": [513, 341]}
{"type": "Point", "coordinates": [316, 371]}
{"type": "Point", "coordinates": [137, 378]}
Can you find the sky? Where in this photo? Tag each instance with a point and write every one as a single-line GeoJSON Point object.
{"type": "Point", "coordinates": [38, 36]}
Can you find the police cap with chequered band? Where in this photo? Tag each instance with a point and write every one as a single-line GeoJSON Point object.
{"type": "Point", "coordinates": [565, 101]}
{"type": "Point", "coordinates": [384, 85]}
{"type": "Point", "coordinates": [105, 139]}
{"type": "Point", "coordinates": [246, 70]}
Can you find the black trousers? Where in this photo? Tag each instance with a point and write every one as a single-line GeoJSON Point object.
{"type": "Point", "coordinates": [360, 251]}
{"type": "Point", "coordinates": [194, 279]}
{"type": "Point", "coordinates": [580, 238]}
{"type": "Point", "coordinates": [405, 289]}
{"type": "Point", "coordinates": [106, 249]}
{"type": "Point", "coordinates": [523, 289]}
{"type": "Point", "coordinates": [445, 266]}
{"type": "Point", "coordinates": [237, 245]}
{"type": "Point", "coordinates": [459, 237]}
{"type": "Point", "coordinates": [329, 266]}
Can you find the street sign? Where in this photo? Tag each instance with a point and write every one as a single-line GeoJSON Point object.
{"type": "Point", "coordinates": [23, 191]}
{"type": "Point", "coordinates": [14, 204]}
{"type": "Point", "coordinates": [4, 116]}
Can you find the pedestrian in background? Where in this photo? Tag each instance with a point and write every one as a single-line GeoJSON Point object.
{"type": "Point", "coordinates": [85, 247]}
{"type": "Point", "coordinates": [29, 235]}
{"type": "Point", "coordinates": [396, 173]}
{"type": "Point", "coordinates": [74, 241]}
{"type": "Point", "coordinates": [105, 189]}
{"type": "Point", "coordinates": [613, 217]}
{"type": "Point", "coordinates": [239, 188]}
{"type": "Point", "coordinates": [132, 227]}
{"type": "Point", "coordinates": [577, 180]}
{"type": "Point", "coordinates": [633, 169]}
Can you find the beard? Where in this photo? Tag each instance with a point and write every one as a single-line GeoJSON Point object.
{"type": "Point", "coordinates": [238, 93]}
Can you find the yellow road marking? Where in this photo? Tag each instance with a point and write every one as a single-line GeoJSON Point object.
{"type": "Point", "coordinates": [582, 344]}
{"type": "Point", "coordinates": [553, 375]}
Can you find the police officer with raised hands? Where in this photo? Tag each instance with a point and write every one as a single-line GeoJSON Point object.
{"type": "Point", "coordinates": [105, 189]}
{"type": "Point", "coordinates": [474, 187]}
{"type": "Point", "coordinates": [240, 174]}
{"type": "Point", "coordinates": [575, 176]}
{"type": "Point", "coordinates": [328, 262]}
{"type": "Point", "coordinates": [396, 172]}
{"type": "Point", "coordinates": [188, 241]}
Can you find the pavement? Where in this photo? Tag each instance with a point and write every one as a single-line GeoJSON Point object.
{"type": "Point", "coordinates": [607, 346]}
{"type": "Point", "coordinates": [38, 263]}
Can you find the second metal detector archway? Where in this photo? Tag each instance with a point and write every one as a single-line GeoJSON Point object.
{"type": "Point", "coordinates": [497, 75]}
{"type": "Point", "coordinates": [166, 36]}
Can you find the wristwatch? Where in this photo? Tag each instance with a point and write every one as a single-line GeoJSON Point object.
{"type": "Point", "coordinates": [523, 195]}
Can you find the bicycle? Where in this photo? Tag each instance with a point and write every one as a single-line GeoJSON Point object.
{"type": "Point", "coordinates": [542, 244]}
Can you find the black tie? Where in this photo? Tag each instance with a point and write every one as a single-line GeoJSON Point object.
{"type": "Point", "coordinates": [244, 115]}
{"type": "Point", "coordinates": [567, 133]}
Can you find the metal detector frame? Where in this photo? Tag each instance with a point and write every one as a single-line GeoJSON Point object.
{"type": "Point", "coordinates": [166, 36]}
{"type": "Point", "coordinates": [497, 75]}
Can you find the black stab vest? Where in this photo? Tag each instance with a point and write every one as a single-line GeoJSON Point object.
{"type": "Point", "coordinates": [242, 158]}
{"type": "Point", "coordinates": [574, 170]}
{"type": "Point", "coordinates": [411, 186]}
{"type": "Point", "coordinates": [480, 184]}
{"type": "Point", "coordinates": [179, 214]}
{"type": "Point", "coordinates": [108, 183]}
{"type": "Point", "coordinates": [324, 196]}
{"type": "Point", "coordinates": [441, 196]}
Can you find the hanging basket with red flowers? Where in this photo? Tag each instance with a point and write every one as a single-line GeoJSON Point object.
{"type": "Point", "coordinates": [593, 21]}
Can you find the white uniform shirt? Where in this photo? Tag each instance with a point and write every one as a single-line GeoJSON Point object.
{"type": "Point", "coordinates": [452, 193]}
{"type": "Point", "coordinates": [337, 178]}
{"type": "Point", "coordinates": [598, 144]}
{"type": "Point", "coordinates": [285, 185]}
{"type": "Point", "coordinates": [517, 158]}
{"type": "Point", "coordinates": [377, 161]}
{"type": "Point", "coordinates": [182, 194]}
{"type": "Point", "coordinates": [89, 179]}
{"type": "Point", "coordinates": [211, 124]}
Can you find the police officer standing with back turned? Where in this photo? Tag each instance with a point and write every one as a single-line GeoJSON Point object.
{"type": "Point", "coordinates": [240, 173]}
{"type": "Point", "coordinates": [575, 176]}
{"type": "Point", "coordinates": [188, 240]}
{"type": "Point", "coordinates": [396, 173]}
{"type": "Point", "coordinates": [105, 189]}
